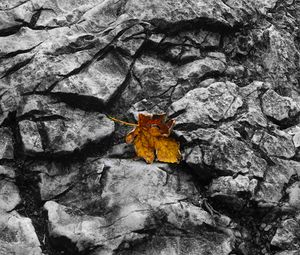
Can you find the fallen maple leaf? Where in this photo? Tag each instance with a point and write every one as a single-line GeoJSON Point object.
{"type": "Point", "coordinates": [151, 136]}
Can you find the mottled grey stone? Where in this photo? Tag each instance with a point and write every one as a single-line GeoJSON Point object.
{"type": "Point", "coordinates": [18, 235]}
{"type": "Point", "coordinates": [6, 144]}
{"type": "Point", "coordinates": [133, 196]}
{"type": "Point", "coordinates": [286, 234]}
{"type": "Point", "coordinates": [61, 129]}
{"type": "Point", "coordinates": [9, 195]}
{"type": "Point", "coordinates": [279, 107]}
{"type": "Point", "coordinates": [207, 106]}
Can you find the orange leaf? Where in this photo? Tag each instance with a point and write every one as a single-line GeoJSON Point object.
{"type": "Point", "coordinates": [151, 137]}
{"type": "Point", "coordinates": [167, 150]}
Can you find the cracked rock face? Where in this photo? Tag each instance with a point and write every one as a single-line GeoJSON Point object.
{"type": "Point", "coordinates": [6, 146]}
{"type": "Point", "coordinates": [206, 106]}
{"type": "Point", "coordinates": [136, 199]}
{"type": "Point", "coordinates": [53, 127]}
{"type": "Point", "coordinates": [279, 107]}
{"type": "Point", "coordinates": [226, 71]}
{"type": "Point", "coordinates": [18, 235]}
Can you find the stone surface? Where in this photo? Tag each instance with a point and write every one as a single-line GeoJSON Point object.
{"type": "Point", "coordinates": [134, 199]}
{"type": "Point", "coordinates": [295, 252]}
{"type": "Point", "coordinates": [207, 106]}
{"type": "Point", "coordinates": [295, 133]}
{"type": "Point", "coordinates": [156, 76]}
{"type": "Point", "coordinates": [9, 196]}
{"type": "Point", "coordinates": [279, 107]}
{"type": "Point", "coordinates": [281, 57]}
{"type": "Point", "coordinates": [278, 144]}
{"type": "Point", "coordinates": [166, 84]}
{"type": "Point", "coordinates": [6, 171]}
{"type": "Point", "coordinates": [294, 195]}
{"type": "Point", "coordinates": [196, 70]}
{"type": "Point", "coordinates": [30, 39]}
{"type": "Point", "coordinates": [276, 177]}
{"type": "Point", "coordinates": [9, 101]}
{"type": "Point", "coordinates": [226, 71]}
{"type": "Point", "coordinates": [6, 144]}
{"type": "Point", "coordinates": [222, 151]}
{"type": "Point", "coordinates": [287, 234]}
{"type": "Point", "coordinates": [229, 187]}
{"type": "Point", "coordinates": [216, 11]}
{"type": "Point", "coordinates": [31, 138]}
{"type": "Point", "coordinates": [101, 80]}
{"type": "Point", "coordinates": [251, 94]}
{"type": "Point", "coordinates": [18, 235]}
{"type": "Point", "coordinates": [58, 128]}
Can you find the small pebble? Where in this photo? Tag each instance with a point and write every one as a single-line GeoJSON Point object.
{"type": "Point", "coordinates": [245, 234]}
{"type": "Point", "coordinates": [238, 234]}
{"type": "Point", "coordinates": [264, 251]}
{"type": "Point", "coordinates": [243, 249]}
{"type": "Point", "coordinates": [206, 83]}
{"type": "Point", "coordinates": [267, 228]}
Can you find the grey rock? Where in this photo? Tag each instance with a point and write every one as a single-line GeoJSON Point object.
{"type": "Point", "coordinates": [281, 58]}
{"type": "Point", "coordinates": [155, 75]}
{"type": "Point", "coordinates": [229, 186]}
{"type": "Point", "coordinates": [8, 64]}
{"type": "Point", "coordinates": [57, 178]}
{"type": "Point", "coordinates": [294, 195]}
{"type": "Point", "coordinates": [101, 80]}
{"type": "Point", "coordinates": [203, 38]}
{"type": "Point", "coordinates": [236, 71]}
{"type": "Point", "coordinates": [295, 133]}
{"type": "Point", "coordinates": [9, 192]}
{"type": "Point", "coordinates": [122, 150]}
{"type": "Point", "coordinates": [276, 177]}
{"type": "Point", "coordinates": [227, 14]}
{"type": "Point", "coordinates": [40, 74]}
{"type": "Point", "coordinates": [199, 39]}
{"type": "Point", "coordinates": [251, 94]}
{"type": "Point", "coordinates": [7, 171]}
{"type": "Point", "coordinates": [13, 11]}
{"type": "Point", "coordinates": [286, 234]}
{"type": "Point", "coordinates": [254, 89]}
{"type": "Point", "coordinates": [9, 195]}
{"type": "Point", "coordinates": [10, 99]}
{"type": "Point", "coordinates": [165, 83]}
{"type": "Point", "coordinates": [207, 106]}
{"type": "Point", "coordinates": [294, 252]}
{"type": "Point", "coordinates": [279, 107]}
{"type": "Point", "coordinates": [18, 235]}
{"type": "Point", "coordinates": [207, 82]}
{"type": "Point", "coordinates": [128, 42]}
{"type": "Point", "coordinates": [278, 144]}
{"type": "Point", "coordinates": [30, 39]}
{"type": "Point", "coordinates": [31, 139]}
{"type": "Point", "coordinates": [134, 198]}
{"type": "Point", "coordinates": [65, 13]}
{"type": "Point", "coordinates": [189, 245]}
{"type": "Point", "coordinates": [100, 17]}
{"type": "Point", "coordinates": [233, 191]}
{"type": "Point", "coordinates": [6, 144]}
{"type": "Point", "coordinates": [66, 129]}
{"type": "Point", "coordinates": [217, 55]}
{"type": "Point", "coordinates": [195, 70]}
{"type": "Point", "coordinates": [222, 152]}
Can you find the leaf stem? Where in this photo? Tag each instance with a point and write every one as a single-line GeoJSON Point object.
{"type": "Point", "coordinates": [121, 121]}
